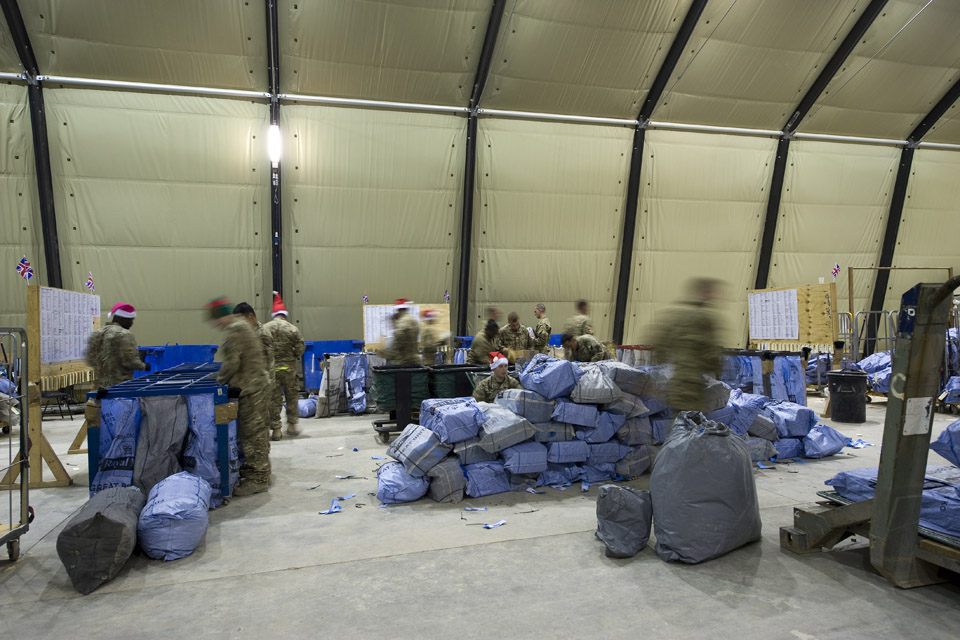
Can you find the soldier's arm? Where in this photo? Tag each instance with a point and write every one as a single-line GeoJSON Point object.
{"type": "Point", "coordinates": [479, 393]}
{"type": "Point", "coordinates": [93, 349]}
{"type": "Point", "coordinates": [300, 346]}
{"type": "Point", "coordinates": [231, 361]}
{"type": "Point", "coordinates": [269, 355]}
{"type": "Point", "coordinates": [128, 352]}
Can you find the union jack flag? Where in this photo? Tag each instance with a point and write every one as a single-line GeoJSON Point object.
{"type": "Point", "coordinates": [89, 284]}
{"type": "Point", "coordinates": [24, 269]}
{"type": "Point", "coordinates": [446, 297]}
{"type": "Point", "coordinates": [365, 298]}
{"type": "Point", "coordinates": [836, 271]}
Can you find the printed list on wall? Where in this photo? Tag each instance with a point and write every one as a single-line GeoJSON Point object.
{"type": "Point", "coordinates": [774, 315]}
{"type": "Point", "coordinates": [66, 322]}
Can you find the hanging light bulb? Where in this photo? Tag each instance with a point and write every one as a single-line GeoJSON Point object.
{"type": "Point", "coordinates": [274, 144]}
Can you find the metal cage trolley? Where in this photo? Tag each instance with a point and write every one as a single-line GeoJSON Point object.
{"type": "Point", "coordinates": [15, 511]}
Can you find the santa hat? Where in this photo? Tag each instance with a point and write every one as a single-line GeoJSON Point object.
{"type": "Point", "coordinates": [278, 308]}
{"type": "Point", "coordinates": [401, 304]}
{"type": "Point", "coordinates": [497, 359]}
{"type": "Point", "coordinates": [429, 313]}
{"type": "Point", "coordinates": [122, 310]}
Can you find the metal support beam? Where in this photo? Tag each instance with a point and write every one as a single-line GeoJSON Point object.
{"type": "Point", "coordinates": [276, 212]}
{"type": "Point", "coordinates": [470, 163]}
{"type": "Point", "coordinates": [41, 145]}
{"type": "Point", "coordinates": [628, 230]}
{"type": "Point", "coordinates": [773, 212]}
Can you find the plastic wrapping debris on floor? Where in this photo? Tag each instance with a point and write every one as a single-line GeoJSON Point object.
{"type": "Point", "coordinates": [447, 481]}
{"type": "Point", "coordinates": [559, 474]}
{"type": "Point", "coordinates": [334, 508]}
{"type": "Point", "coordinates": [568, 452]}
{"type": "Point", "coordinates": [119, 424]}
{"type": "Point", "coordinates": [635, 463]}
{"type": "Point", "coordinates": [101, 537]}
{"type": "Point", "coordinates": [703, 490]}
{"type": "Point", "coordinates": [503, 428]}
{"type": "Point", "coordinates": [470, 452]}
{"type": "Point", "coordinates": [635, 431]}
{"type": "Point", "coordinates": [419, 449]}
{"type": "Point", "coordinates": [175, 517]}
{"type": "Point", "coordinates": [792, 420]}
{"type": "Point", "coordinates": [760, 449]}
{"type": "Point", "coordinates": [624, 517]}
{"type": "Point", "coordinates": [628, 405]}
{"type": "Point", "coordinates": [452, 421]}
{"type": "Point", "coordinates": [529, 404]}
{"type": "Point", "coordinates": [605, 452]}
{"type": "Point", "coordinates": [859, 443]}
{"type": "Point", "coordinates": [599, 472]}
{"type": "Point", "coordinates": [307, 407]}
{"type": "Point", "coordinates": [823, 441]}
{"type": "Point", "coordinates": [789, 448]}
{"type": "Point", "coordinates": [395, 485]}
{"type": "Point", "coordinates": [554, 432]}
{"type": "Point", "coordinates": [486, 478]}
{"type": "Point", "coordinates": [595, 387]}
{"type": "Point", "coordinates": [498, 523]}
{"type": "Point", "coordinates": [948, 444]}
{"type": "Point", "coordinates": [524, 458]}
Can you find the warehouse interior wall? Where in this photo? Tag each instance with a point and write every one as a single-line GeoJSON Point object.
{"type": "Point", "coordinates": [371, 205]}
{"type": "Point", "coordinates": [700, 214]}
{"type": "Point", "coordinates": [548, 214]}
{"type": "Point", "coordinates": [163, 199]}
{"type": "Point", "coordinates": [20, 232]}
{"type": "Point", "coordinates": [833, 210]}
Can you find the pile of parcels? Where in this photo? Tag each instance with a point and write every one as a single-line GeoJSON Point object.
{"type": "Point", "coordinates": [589, 422]}
{"type": "Point", "coordinates": [157, 478]}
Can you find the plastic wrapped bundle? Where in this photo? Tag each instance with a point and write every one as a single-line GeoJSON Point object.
{"type": "Point", "coordinates": [635, 463]}
{"type": "Point", "coordinates": [703, 492]}
{"type": "Point", "coordinates": [763, 427]}
{"type": "Point", "coordinates": [527, 457]}
{"type": "Point", "coordinates": [716, 395]}
{"type": "Point", "coordinates": [595, 387]}
{"type": "Point", "coordinates": [200, 456]}
{"type": "Point", "coordinates": [607, 452]}
{"type": "Point", "coordinates": [789, 448]}
{"type": "Point", "coordinates": [607, 426]}
{"type": "Point", "coordinates": [419, 449]}
{"type": "Point", "coordinates": [790, 376]}
{"type": "Point", "coordinates": [661, 426]}
{"type": "Point", "coordinates": [876, 362]}
{"type": "Point", "coordinates": [394, 485]}
{"type": "Point", "coordinates": [760, 449]}
{"type": "Point", "coordinates": [636, 431]}
{"type": "Point", "coordinates": [823, 441]}
{"type": "Point", "coordinates": [119, 424]}
{"type": "Point", "coordinates": [817, 368]}
{"type": "Point", "coordinates": [470, 452]}
{"type": "Point", "coordinates": [553, 432]}
{"type": "Point", "coordinates": [559, 474]}
{"type": "Point", "coordinates": [951, 391]}
{"type": "Point", "coordinates": [99, 540]}
{"type": "Point", "coordinates": [638, 381]}
{"type": "Point", "coordinates": [879, 381]}
{"type": "Point", "coordinates": [550, 377]}
{"type": "Point", "coordinates": [727, 415]}
{"type": "Point", "coordinates": [503, 428]}
{"type": "Point", "coordinates": [355, 381]}
{"type": "Point", "coordinates": [792, 420]}
{"type": "Point", "coordinates": [307, 407]}
{"type": "Point", "coordinates": [452, 421]}
{"type": "Point", "coordinates": [599, 472]}
{"type": "Point", "coordinates": [655, 404]}
{"type": "Point", "coordinates": [568, 452]}
{"type": "Point", "coordinates": [628, 405]}
{"type": "Point", "coordinates": [163, 428]}
{"type": "Point", "coordinates": [447, 481]}
{"type": "Point", "coordinates": [529, 404]}
{"type": "Point", "coordinates": [486, 478]}
{"type": "Point", "coordinates": [584, 415]}
{"type": "Point", "coordinates": [624, 516]}
{"type": "Point", "coordinates": [948, 444]}
{"type": "Point", "coordinates": [175, 518]}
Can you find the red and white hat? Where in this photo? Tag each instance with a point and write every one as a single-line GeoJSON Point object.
{"type": "Point", "coordinates": [401, 304]}
{"type": "Point", "coordinates": [278, 308]}
{"type": "Point", "coordinates": [497, 359]}
{"type": "Point", "coordinates": [429, 313]}
{"type": "Point", "coordinates": [122, 310]}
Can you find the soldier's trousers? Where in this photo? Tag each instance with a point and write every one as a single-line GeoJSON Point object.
{"type": "Point", "coordinates": [286, 389]}
{"type": "Point", "coordinates": [254, 436]}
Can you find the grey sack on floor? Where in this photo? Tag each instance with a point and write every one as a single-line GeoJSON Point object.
{"type": "Point", "coordinates": [447, 481]}
{"type": "Point", "coordinates": [97, 542]}
{"type": "Point", "coordinates": [703, 490]}
{"type": "Point", "coordinates": [623, 520]}
{"type": "Point", "coordinates": [163, 428]}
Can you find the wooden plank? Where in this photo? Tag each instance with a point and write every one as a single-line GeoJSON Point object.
{"type": "Point", "coordinates": [78, 441]}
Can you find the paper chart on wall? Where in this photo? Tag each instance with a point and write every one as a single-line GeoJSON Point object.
{"type": "Point", "coordinates": [774, 315]}
{"type": "Point", "coordinates": [66, 322]}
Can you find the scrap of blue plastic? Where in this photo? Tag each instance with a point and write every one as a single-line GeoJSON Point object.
{"type": "Point", "coordinates": [619, 478]}
{"type": "Point", "coordinates": [349, 475]}
{"type": "Point", "coordinates": [356, 449]}
{"type": "Point", "coordinates": [378, 458]}
{"type": "Point", "coordinates": [334, 508]}
{"type": "Point", "coordinates": [859, 443]}
{"type": "Point", "coordinates": [352, 495]}
{"type": "Point", "coordinates": [763, 466]}
{"type": "Point", "coordinates": [558, 487]}
{"type": "Point", "coordinates": [584, 486]}
{"type": "Point", "coordinates": [532, 490]}
{"type": "Point", "coordinates": [474, 508]}
{"type": "Point", "coordinates": [799, 460]}
{"type": "Point", "coordinates": [499, 523]}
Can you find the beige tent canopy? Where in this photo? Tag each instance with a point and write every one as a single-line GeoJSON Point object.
{"type": "Point", "coordinates": [507, 151]}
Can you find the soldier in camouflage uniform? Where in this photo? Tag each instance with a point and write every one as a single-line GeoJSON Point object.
{"type": "Point", "coordinates": [112, 351]}
{"type": "Point", "coordinates": [288, 350]}
{"type": "Point", "coordinates": [430, 341]}
{"type": "Point", "coordinates": [584, 349]}
{"type": "Point", "coordinates": [579, 324]}
{"type": "Point", "coordinates": [483, 344]}
{"type": "Point", "coordinates": [244, 372]}
{"type": "Point", "coordinates": [514, 336]}
{"type": "Point", "coordinates": [541, 340]}
{"type": "Point", "coordinates": [689, 339]}
{"type": "Point", "coordinates": [403, 347]}
{"type": "Point", "coordinates": [499, 380]}
{"type": "Point", "coordinates": [266, 340]}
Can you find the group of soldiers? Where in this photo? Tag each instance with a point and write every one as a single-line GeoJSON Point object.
{"type": "Point", "coordinates": [260, 363]}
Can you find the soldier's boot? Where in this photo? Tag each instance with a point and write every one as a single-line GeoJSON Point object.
{"type": "Point", "coordinates": [277, 434]}
{"type": "Point", "coordinates": [293, 429]}
{"type": "Point", "coordinates": [248, 488]}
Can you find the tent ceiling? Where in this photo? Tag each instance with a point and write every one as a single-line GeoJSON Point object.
{"type": "Point", "coordinates": [9, 61]}
{"type": "Point", "coordinates": [423, 51]}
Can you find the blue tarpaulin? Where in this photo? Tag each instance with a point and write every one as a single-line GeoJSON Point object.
{"type": "Point", "coordinates": [948, 444]}
{"type": "Point", "coordinates": [119, 427]}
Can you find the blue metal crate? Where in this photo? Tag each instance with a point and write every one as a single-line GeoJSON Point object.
{"type": "Point", "coordinates": [165, 357]}
{"type": "Point", "coordinates": [313, 354]}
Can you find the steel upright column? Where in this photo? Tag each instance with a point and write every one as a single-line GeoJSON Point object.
{"type": "Point", "coordinates": [273, 75]}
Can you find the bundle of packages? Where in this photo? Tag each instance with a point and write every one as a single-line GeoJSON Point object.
{"type": "Point", "coordinates": [789, 448]}
{"type": "Point", "coordinates": [635, 431]}
{"type": "Point", "coordinates": [99, 540]}
{"type": "Point", "coordinates": [307, 407]}
{"type": "Point", "coordinates": [760, 449]}
{"type": "Point", "coordinates": [634, 381]}
{"type": "Point", "coordinates": [823, 441]}
{"type": "Point", "coordinates": [763, 427]}
{"type": "Point", "coordinates": [595, 387]}
{"type": "Point", "coordinates": [394, 485]}
{"type": "Point", "coordinates": [529, 404]}
{"type": "Point", "coordinates": [550, 377]}
{"type": "Point", "coordinates": [789, 379]}
{"type": "Point", "coordinates": [600, 472]}
{"type": "Point", "coordinates": [629, 406]}
{"type": "Point", "coordinates": [200, 452]}
{"type": "Point", "coordinates": [624, 516]}
{"type": "Point", "coordinates": [175, 518]}
{"type": "Point", "coordinates": [452, 419]}
{"type": "Point", "coordinates": [584, 415]}
{"type": "Point", "coordinates": [606, 452]}
{"type": "Point", "coordinates": [728, 415]}
{"type": "Point", "coordinates": [447, 481]}
{"type": "Point", "coordinates": [951, 391]}
{"type": "Point", "coordinates": [559, 474]}
{"type": "Point", "coordinates": [878, 367]}
{"type": "Point", "coordinates": [715, 395]}
{"type": "Point", "coordinates": [817, 368]}
{"type": "Point", "coordinates": [470, 452]}
{"type": "Point", "coordinates": [568, 452]}
{"type": "Point", "coordinates": [635, 463]}
{"type": "Point", "coordinates": [792, 420]}
{"type": "Point", "coordinates": [419, 449]}
{"type": "Point", "coordinates": [880, 380]}
{"type": "Point", "coordinates": [502, 428]}
{"type": "Point", "coordinates": [554, 432]}
{"type": "Point", "coordinates": [606, 427]}
{"type": "Point", "coordinates": [525, 458]}
{"type": "Point", "coordinates": [486, 478]}
{"type": "Point", "coordinates": [737, 372]}
{"type": "Point", "coordinates": [119, 424]}
{"type": "Point", "coordinates": [948, 444]}
{"type": "Point", "coordinates": [704, 495]}
{"type": "Point", "coordinates": [661, 424]}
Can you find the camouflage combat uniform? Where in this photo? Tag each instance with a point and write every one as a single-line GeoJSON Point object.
{"type": "Point", "coordinates": [514, 340]}
{"type": "Point", "coordinates": [429, 343]}
{"type": "Point", "coordinates": [688, 338]}
{"type": "Point", "coordinates": [243, 367]}
{"type": "Point", "coordinates": [480, 350]}
{"type": "Point", "coordinates": [542, 333]}
{"type": "Point", "coordinates": [288, 350]}
{"type": "Point", "coordinates": [579, 325]}
{"type": "Point", "coordinates": [113, 354]}
{"type": "Point", "coordinates": [589, 349]}
{"type": "Point", "coordinates": [404, 347]}
{"type": "Point", "coordinates": [266, 341]}
{"type": "Point", "coordinates": [488, 388]}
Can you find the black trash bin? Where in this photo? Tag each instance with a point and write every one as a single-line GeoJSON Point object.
{"type": "Point", "coordinates": [848, 396]}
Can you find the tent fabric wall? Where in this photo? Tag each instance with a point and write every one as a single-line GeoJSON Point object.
{"type": "Point", "coordinates": [9, 61]}
{"type": "Point", "coordinates": [371, 204]}
{"type": "Point", "coordinates": [947, 129]}
{"type": "Point", "coordinates": [165, 199]}
{"type": "Point", "coordinates": [928, 228]}
{"type": "Point", "coordinates": [214, 43]}
{"type": "Point", "coordinates": [700, 214]}
{"type": "Point", "coordinates": [548, 214]}
{"type": "Point", "coordinates": [833, 210]}
{"type": "Point", "coordinates": [421, 51]}
{"type": "Point", "coordinates": [20, 231]}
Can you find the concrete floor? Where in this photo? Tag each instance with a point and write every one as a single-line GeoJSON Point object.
{"type": "Point", "coordinates": [271, 567]}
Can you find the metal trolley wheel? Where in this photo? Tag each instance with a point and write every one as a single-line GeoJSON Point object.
{"type": "Point", "coordinates": [13, 549]}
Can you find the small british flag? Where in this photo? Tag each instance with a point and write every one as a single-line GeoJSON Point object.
{"type": "Point", "coordinates": [89, 284]}
{"type": "Point", "coordinates": [365, 298]}
{"type": "Point", "coordinates": [446, 296]}
{"type": "Point", "coordinates": [24, 269]}
{"type": "Point", "coordinates": [836, 271]}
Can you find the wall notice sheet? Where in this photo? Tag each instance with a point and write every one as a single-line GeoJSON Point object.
{"type": "Point", "coordinates": [774, 315]}
{"type": "Point", "coordinates": [378, 326]}
{"type": "Point", "coordinates": [67, 319]}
